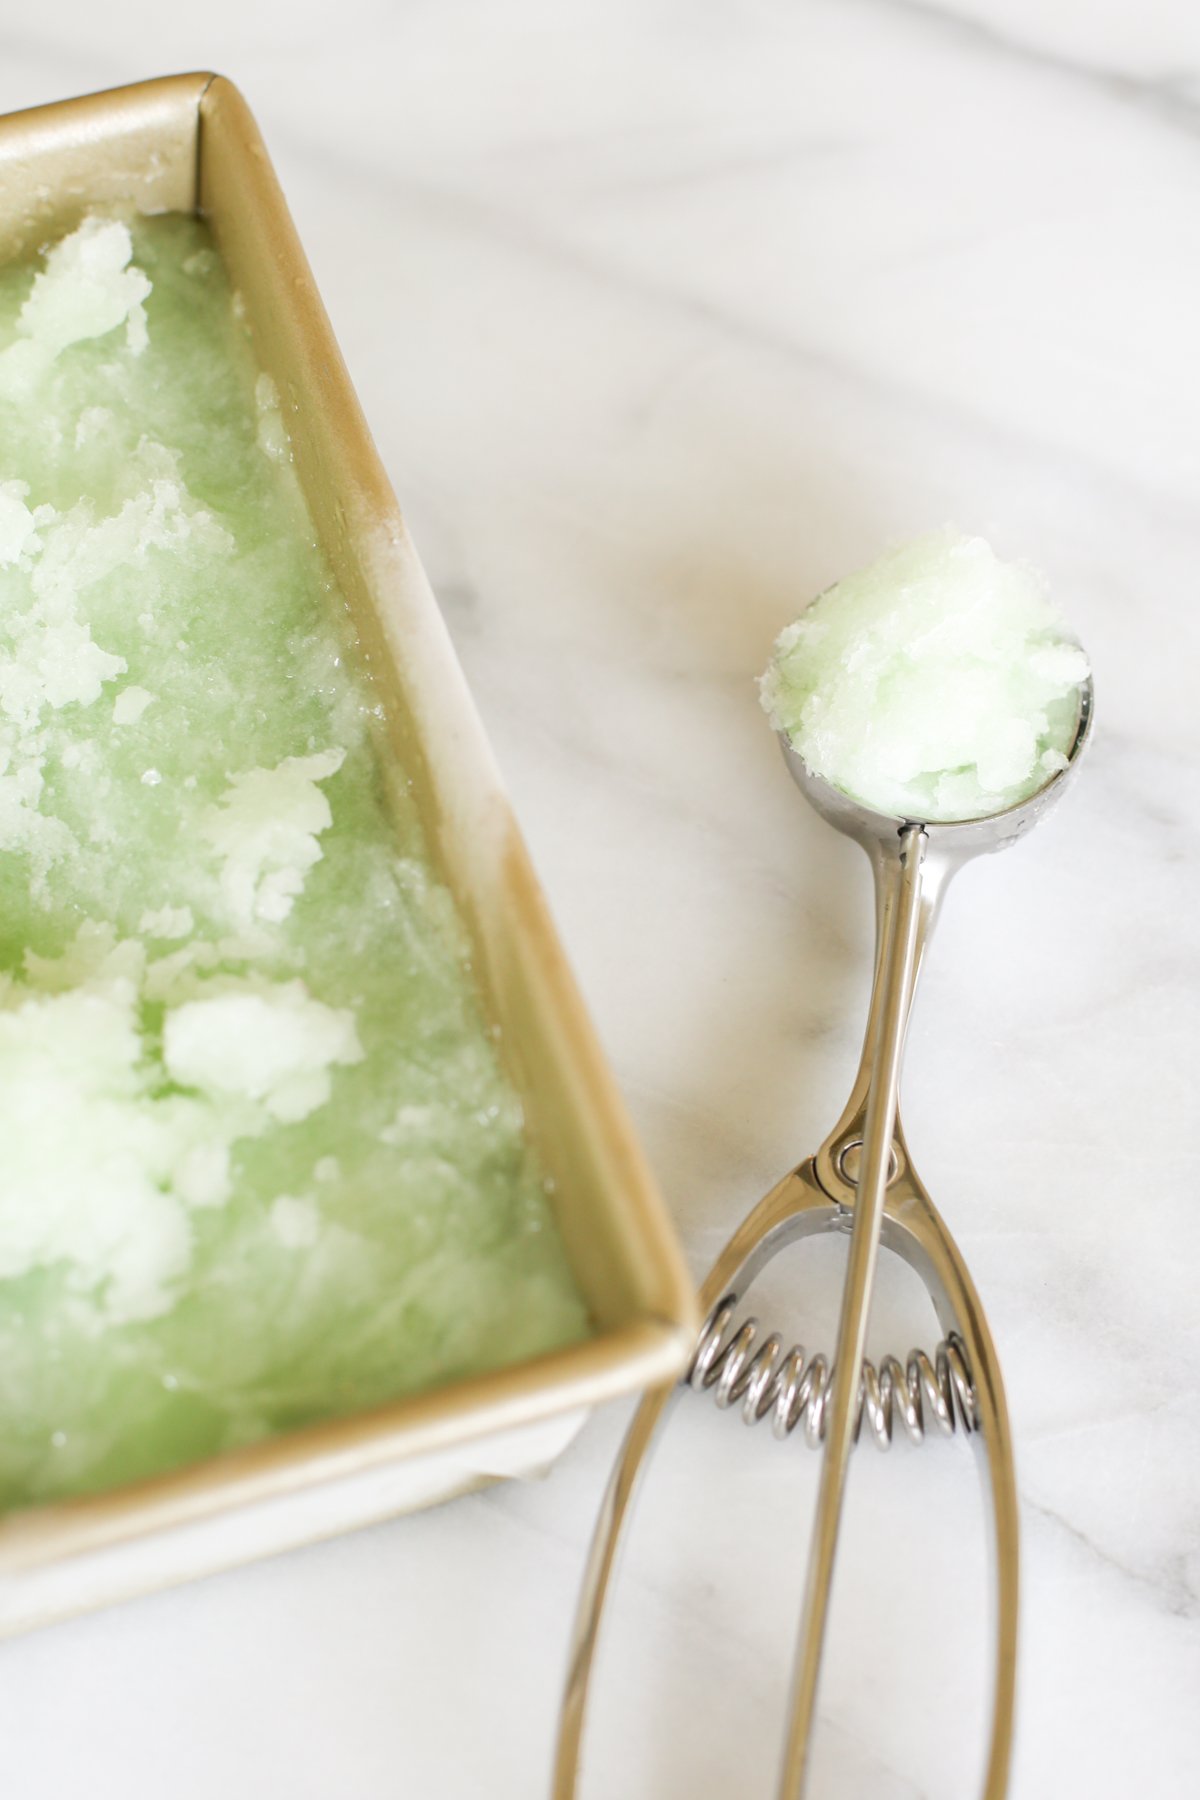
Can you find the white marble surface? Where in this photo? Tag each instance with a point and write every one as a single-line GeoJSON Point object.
{"type": "Point", "coordinates": [665, 314]}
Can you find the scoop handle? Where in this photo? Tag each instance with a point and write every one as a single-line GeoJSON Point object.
{"type": "Point", "coordinates": [815, 1198]}
{"type": "Point", "coordinates": [914, 1229]}
{"type": "Point", "coordinates": [900, 914]}
{"type": "Point", "coordinates": [839, 1158]}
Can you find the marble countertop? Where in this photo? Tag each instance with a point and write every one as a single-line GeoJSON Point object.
{"type": "Point", "coordinates": [665, 314]}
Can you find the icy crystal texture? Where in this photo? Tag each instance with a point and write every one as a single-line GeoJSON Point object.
{"type": "Point", "coordinates": [937, 684]}
{"type": "Point", "coordinates": [261, 1164]}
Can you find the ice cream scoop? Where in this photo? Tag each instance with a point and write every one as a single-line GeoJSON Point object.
{"type": "Point", "coordinates": [861, 1181]}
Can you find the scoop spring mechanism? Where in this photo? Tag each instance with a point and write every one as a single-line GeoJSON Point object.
{"type": "Point", "coordinates": [794, 1390]}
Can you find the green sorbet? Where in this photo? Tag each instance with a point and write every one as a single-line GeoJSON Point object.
{"type": "Point", "coordinates": [262, 1164]}
{"type": "Point", "coordinates": [939, 683]}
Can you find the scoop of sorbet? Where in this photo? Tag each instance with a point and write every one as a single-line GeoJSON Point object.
{"type": "Point", "coordinates": [937, 684]}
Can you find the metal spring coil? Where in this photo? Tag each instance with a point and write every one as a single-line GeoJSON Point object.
{"type": "Point", "coordinates": [795, 1391]}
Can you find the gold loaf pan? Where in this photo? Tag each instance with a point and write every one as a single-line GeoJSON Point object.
{"type": "Point", "coordinates": [189, 143]}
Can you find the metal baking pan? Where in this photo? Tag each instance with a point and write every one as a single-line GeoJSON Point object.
{"type": "Point", "coordinates": [189, 143]}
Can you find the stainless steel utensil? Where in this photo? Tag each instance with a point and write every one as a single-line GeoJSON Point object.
{"type": "Point", "coordinates": [860, 1181]}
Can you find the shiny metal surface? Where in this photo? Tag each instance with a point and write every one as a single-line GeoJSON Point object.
{"type": "Point", "coordinates": [900, 922]}
{"type": "Point", "coordinates": [862, 1179]}
{"type": "Point", "coordinates": [792, 1389]}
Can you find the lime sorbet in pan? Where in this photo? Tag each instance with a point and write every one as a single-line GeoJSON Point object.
{"type": "Point", "coordinates": [261, 1163]}
{"type": "Point", "coordinates": [938, 684]}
